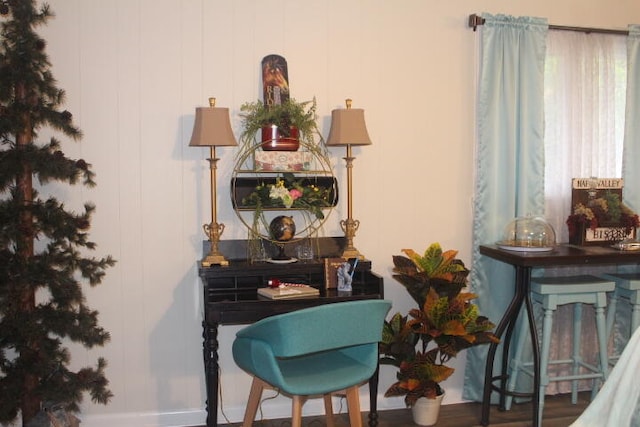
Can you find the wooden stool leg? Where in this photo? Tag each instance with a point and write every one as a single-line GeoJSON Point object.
{"type": "Point", "coordinates": [257, 385]}
{"type": "Point", "coordinates": [611, 312]}
{"type": "Point", "coordinates": [547, 329]}
{"type": "Point", "coordinates": [575, 356]}
{"type": "Point", "coordinates": [353, 401]}
{"type": "Point", "coordinates": [635, 316]}
{"type": "Point", "coordinates": [612, 306]}
{"type": "Point", "coordinates": [602, 343]}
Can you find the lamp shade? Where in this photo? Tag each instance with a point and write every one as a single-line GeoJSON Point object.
{"type": "Point", "coordinates": [212, 128]}
{"type": "Point", "coordinates": [348, 128]}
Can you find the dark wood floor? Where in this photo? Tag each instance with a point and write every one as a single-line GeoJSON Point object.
{"type": "Point", "coordinates": [558, 412]}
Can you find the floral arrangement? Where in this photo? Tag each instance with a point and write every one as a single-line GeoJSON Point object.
{"type": "Point", "coordinates": [607, 210]}
{"type": "Point", "coordinates": [291, 193]}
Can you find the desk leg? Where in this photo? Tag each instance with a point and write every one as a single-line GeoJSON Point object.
{"type": "Point", "coordinates": [506, 323]}
{"type": "Point", "coordinates": [211, 368]}
{"type": "Point", "coordinates": [535, 347]}
{"type": "Point", "coordinates": [522, 273]}
{"type": "Point", "coordinates": [373, 398]}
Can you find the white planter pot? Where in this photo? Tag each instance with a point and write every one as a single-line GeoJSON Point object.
{"type": "Point", "coordinates": [425, 411]}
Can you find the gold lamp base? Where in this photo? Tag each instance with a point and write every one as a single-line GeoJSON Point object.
{"type": "Point", "coordinates": [214, 231]}
{"type": "Point", "coordinates": [352, 253]}
{"type": "Point", "coordinates": [214, 259]}
{"type": "Point", "coordinates": [350, 226]}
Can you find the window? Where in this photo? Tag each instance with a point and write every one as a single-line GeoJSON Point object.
{"type": "Point", "coordinates": [585, 86]}
{"type": "Point", "coordinates": [584, 101]}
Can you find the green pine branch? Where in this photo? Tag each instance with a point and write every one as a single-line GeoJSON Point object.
{"type": "Point", "coordinates": [42, 243]}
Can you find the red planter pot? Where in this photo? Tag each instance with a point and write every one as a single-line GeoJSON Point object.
{"type": "Point", "coordinates": [272, 140]}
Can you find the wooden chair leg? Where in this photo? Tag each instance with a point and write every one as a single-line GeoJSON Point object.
{"type": "Point", "coordinates": [353, 401]}
{"type": "Point", "coordinates": [328, 410]}
{"type": "Point", "coordinates": [296, 411]}
{"type": "Point", "coordinates": [257, 385]}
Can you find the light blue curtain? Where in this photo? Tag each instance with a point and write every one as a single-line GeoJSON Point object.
{"type": "Point", "coordinates": [631, 153]}
{"type": "Point", "coordinates": [510, 168]}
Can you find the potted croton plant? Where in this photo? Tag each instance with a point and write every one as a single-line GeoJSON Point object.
{"type": "Point", "coordinates": [444, 323]}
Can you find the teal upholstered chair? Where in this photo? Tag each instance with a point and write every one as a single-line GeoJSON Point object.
{"type": "Point", "coordinates": [313, 352]}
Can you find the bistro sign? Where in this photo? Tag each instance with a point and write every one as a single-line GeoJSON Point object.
{"type": "Point", "coordinates": [597, 197]}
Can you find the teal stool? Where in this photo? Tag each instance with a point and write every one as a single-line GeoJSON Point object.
{"type": "Point", "coordinates": [552, 292]}
{"type": "Point", "coordinates": [627, 288]}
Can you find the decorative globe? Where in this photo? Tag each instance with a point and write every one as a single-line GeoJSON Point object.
{"type": "Point", "coordinates": [282, 228]}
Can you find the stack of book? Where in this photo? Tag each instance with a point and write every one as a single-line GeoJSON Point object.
{"type": "Point", "coordinates": [289, 291]}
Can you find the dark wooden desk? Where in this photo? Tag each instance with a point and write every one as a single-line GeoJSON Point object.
{"type": "Point", "coordinates": [524, 262]}
{"type": "Point", "coordinates": [230, 298]}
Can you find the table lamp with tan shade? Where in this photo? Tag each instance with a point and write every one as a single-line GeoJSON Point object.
{"type": "Point", "coordinates": [212, 128]}
{"type": "Point", "coordinates": [348, 128]}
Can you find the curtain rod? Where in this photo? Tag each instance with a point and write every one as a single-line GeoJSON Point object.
{"type": "Point", "coordinates": [475, 21]}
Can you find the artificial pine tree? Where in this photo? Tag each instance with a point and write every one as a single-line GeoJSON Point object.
{"type": "Point", "coordinates": [42, 245]}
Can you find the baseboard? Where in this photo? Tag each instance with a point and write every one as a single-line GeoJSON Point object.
{"type": "Point", "coordinates": [313, 407]}
{"type": "Point", "coordinates": [195, 417]}
{"type": "Point", "coordinates": [166, 419]}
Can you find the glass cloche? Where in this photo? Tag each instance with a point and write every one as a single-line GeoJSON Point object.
{"type": "Point", "coordinates": [530, 233]}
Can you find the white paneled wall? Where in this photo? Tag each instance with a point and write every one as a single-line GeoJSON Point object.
{"type": "Point", "coordinates": [134, 71]}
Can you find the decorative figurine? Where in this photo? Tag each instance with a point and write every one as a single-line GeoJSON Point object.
{"type": "Point", "coordinates": [344, 277]}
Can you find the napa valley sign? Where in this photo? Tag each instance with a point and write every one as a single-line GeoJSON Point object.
{"type": "Point", "coordinates": [597, 184]}
{"type": "Point", "coordinates": [598, 216]}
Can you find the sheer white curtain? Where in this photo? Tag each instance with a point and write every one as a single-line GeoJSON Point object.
{"type": "Point", "coordinates": [618, 403]}
{"type": "Point", "coordinates": [585, 86]}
